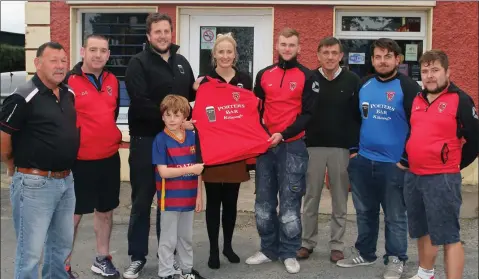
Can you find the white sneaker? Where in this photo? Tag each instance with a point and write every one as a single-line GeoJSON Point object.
{"type": "Point", "coordinates": [292, 265]}
{"type": "Point", "coordinates": [258, 258]}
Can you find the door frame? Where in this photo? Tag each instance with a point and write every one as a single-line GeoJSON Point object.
{"type": "Point", "coordinates": [261, 19]}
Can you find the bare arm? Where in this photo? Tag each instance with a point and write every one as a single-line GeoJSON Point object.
{"type": "Point", "coordinates": [6, 151]}
{"type": "Point", "coordinates": [166, 172]}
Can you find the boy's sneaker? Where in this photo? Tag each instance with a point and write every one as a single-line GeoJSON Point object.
{"type": "Point", "coordinates": [292, 265]}
{"type": "Point", "coordinates": [104, 267]}
{"type": "Point", "coordinates": [177, 268]}
{"type": "Point", "coordinates": [353, 260]}
{"type": "Point", "coordinates": [394, 268]}
{"type": "Point", "coordinates": [133, 271]}
{"type": "Point", "coordinates": [258, 258]}
{"type": "Point", "coordinates": [189, 276]}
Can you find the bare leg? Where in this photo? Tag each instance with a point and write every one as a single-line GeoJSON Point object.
{"type": "Point", "coordinates": [454, 260]}
{"type": "Point", "coordinates": [76, 223]}
{"type": "Point", "coordinates": [427, 252]}
{"type": "Point", "coordinates": [103, 223]}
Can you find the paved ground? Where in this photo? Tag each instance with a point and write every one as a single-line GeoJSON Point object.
{"type": "Point", "coordinates": [245, 242]}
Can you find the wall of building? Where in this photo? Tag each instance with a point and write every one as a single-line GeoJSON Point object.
{"type": "Point", "coordinates": [52, 20]}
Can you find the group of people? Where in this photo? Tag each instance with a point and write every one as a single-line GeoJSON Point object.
{"type": "Point", "coordinates": [384, 138]}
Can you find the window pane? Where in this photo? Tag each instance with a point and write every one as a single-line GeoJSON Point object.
{"type": "Point", "coordinates": [244, 37]}
{"type": "Point", "coordinates": [357, 57]}
{"type": "Point", "coordinates": [127, 35]}
{"type": "Point", "coordinates": [381, 23]}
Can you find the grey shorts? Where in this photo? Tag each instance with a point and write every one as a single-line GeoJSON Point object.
{"type": "Point", "coordinates": [433, 204]}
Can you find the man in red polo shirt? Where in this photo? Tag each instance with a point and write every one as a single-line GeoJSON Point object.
{"type": "Point", "coordinates": [97, 169]}
{"type": "Point", "coordinates": [444, 139]}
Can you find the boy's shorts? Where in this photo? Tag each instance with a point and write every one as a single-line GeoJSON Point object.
{"type": "Point", "coordinates": [433, 204]}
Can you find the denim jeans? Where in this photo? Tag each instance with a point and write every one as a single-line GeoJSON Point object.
{"type": "Point", "coordinates": [143, 190]}
{"type": "Point", "coordinates": [281, 170]}
{"type": "Point", "coordinates": [376, 184]}
{"type": "Point", "coordinates": [43, 211]}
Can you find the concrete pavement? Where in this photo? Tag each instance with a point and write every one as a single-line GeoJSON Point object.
{"type": "Point", "coordinates": [245, 242]}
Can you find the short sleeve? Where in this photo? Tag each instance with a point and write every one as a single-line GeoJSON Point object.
{"type": "Point", "coordinates": [13, 114]}
{"type": "Point", "coordinates": [159, 155]}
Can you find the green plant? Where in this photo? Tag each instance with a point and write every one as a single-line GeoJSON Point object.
{"type": "Point", "coordinates": [12, 58]}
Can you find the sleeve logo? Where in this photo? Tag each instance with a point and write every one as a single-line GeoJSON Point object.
{"type": "Point", "coordinates": [474, 113]}
{"type": "Point", "coordinates": [315, 87]}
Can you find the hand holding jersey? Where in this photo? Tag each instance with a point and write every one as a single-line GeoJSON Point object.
{"type": "Point", "coordinates": [227, 123]}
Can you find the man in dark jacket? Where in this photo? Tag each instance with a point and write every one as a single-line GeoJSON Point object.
{"type": "Point", "coordinates": [329, 136]}
{"type": "Point", "coordinates": [444, 139]}
{"type": "Point", "coordinates": [151, 75]}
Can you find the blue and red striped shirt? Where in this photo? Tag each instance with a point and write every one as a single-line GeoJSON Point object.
{"type": "Point", "coordinates": [179, 193]}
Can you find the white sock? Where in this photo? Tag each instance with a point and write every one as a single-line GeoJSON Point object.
{"type": "Point", "coordinates": [425, 273]}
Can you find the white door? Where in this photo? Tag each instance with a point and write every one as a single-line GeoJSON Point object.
{"type": "Point", "coordinates": [253, 34]}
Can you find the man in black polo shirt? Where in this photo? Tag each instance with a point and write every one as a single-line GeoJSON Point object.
{"type": "Point", "coordinates": [151, 75]}
{"type": "Point", "coordinates": [39, 143]}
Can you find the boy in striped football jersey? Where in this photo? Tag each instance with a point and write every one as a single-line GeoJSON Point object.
{"type": "Point", "coordinates": [178, 187]}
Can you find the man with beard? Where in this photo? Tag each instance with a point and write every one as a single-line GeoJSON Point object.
{"type": "Point", "coordinates": [329, 136]}
{"type": "Point", "coordinates": [97, 168]}
{"type": "Point", "coordinates": [376, 168]}
{"type": "Point", "coordinates": [442, 118]}
{"type": "Point", "coordinates": [288, 92]}
{"type": "Point", "coordinates": [151, 75]}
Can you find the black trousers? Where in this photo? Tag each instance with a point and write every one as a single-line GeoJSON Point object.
{"type": "Point", "coordinates": [218, 194]}
{"type": "Point", "coordinates": [143, 190]}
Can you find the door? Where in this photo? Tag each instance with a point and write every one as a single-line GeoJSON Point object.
{"type": "Point", "coordinates": [253, 35]}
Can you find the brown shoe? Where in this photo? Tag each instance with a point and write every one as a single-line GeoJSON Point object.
{"type": "Point", "coordinates": [303, 253]}
{"type": "Point", "coordinates": [336, 256]}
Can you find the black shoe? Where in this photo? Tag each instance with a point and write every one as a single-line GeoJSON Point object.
{"type": "Point", "coordinates": [214, 260]}
{"type": "Point", "coordinates": [196, 275]}
{"type": "Point", "coordinates": [231, 255]}
{"type": "Point", "coordinates": [133, 271]}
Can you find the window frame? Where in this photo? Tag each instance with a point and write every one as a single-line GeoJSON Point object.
{"type": "Point", "coordinates": [422, 35]}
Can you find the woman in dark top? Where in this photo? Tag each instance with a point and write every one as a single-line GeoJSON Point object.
{"type": "Point", "coordinates": [222, 182]}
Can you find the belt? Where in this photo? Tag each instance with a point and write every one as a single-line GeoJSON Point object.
{"type": "Point", "coordinates": [50, 174]}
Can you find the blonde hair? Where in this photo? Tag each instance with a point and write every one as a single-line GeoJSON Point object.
{"type": "Point", "coordinates": [289, 32]}
{"type": "Point", "coordinates": [175, 103]}
{"type": "Point", "coordinates": [220, 38]}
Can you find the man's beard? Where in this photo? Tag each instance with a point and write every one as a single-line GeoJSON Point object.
{"type": "Point", "coordinates": [438, 90]}
{"type": "Point", "coordinates": [161, 51]}
{"type": "Point", "coordinates": [387, 75]}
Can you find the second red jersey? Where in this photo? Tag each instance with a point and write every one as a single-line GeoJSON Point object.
{"type": "Point", "coordinates": [228, 123]}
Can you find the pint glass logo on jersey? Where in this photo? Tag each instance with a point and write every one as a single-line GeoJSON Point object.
{"type": "Point", "coordinates": [210, 112]}
{"type": "Point", "coordinates": [292, 85]}
{"type": "Point", "coordinates": [236, 96]}
{"type": "Point", "coordinates": [390, 95]}
{"type": "Point", "coordinates": [109, 90]}
{"type": "Point", "coordinates": [365, 109]}
{"type": "Point", "coordinates": [442, 106]}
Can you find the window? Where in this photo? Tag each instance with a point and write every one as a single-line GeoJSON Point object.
{"type": "Point", "coordinates": [358, 30]}
{"type": "Point", "coordinates": [126, 32]}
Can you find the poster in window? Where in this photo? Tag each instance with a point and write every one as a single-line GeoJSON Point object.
{"type": "Point", "coordinates": [403, 69]}
{"type": "Point", "coordinates": [411, 52]}
{"type": "Point", "coordinates": [208, 36]}
{"type": "Point", "coordinates": [356, 58]}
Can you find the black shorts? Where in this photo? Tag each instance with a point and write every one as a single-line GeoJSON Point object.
{"type": "Point", "coordinates": [433, 205]}
{"type": "Point", "coordinates": [97, 184]}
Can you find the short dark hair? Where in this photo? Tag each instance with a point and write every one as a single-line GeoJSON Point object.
{"type": "Point", "coordinates": [53, 45]}
{"type": "Point", "coordinates": [94, 36]}
{"type": "Point", "coordinates": [156, 17]}
{"type": "Point", "coordinates": [330, 41]}
{"type": "Point", "coordinates": [386, 43]}
{"type": "Point", "coordinates": [435, 55]}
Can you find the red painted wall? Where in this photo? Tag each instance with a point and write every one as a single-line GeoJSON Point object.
{"type": "Point", "coordinates": [312, 22]}
{"type": "Point", "coordinates": [455, 31]}
{"type": "Point", "coordinates": [315, 22]}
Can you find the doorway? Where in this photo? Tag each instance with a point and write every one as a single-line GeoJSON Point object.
{"type": "Point", "coordinates": [251, 28]}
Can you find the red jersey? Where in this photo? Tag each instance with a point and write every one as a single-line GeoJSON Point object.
{"type": "Point", "coordinates": [444, 133]}
{"type": "Point", "coordinates": [289, 92]}
{"type": "Point", "coordinates": [227, 123]}
{"type": "Point", "coordinates": [97, 108]}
